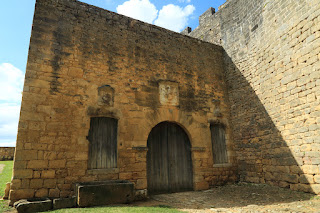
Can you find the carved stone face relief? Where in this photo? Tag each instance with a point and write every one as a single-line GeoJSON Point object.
{"type": "Point", "coordinates": [169, 93]}
{"type": "Point", "coordinates": [106, 96]}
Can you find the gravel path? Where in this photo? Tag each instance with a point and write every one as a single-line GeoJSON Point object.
{"type": "Point", "coordinates": [239, 198]}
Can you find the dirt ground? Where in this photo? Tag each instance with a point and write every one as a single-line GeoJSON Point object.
{"type": "Point", "coordinates": [238, 198]}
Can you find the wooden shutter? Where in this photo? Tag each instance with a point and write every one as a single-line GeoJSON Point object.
{"type": "Point", "coordinates": [103, 143]}
{"type": "Point", "coordinates": [219, 148]}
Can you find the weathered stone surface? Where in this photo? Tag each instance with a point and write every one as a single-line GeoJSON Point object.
{"type": "Point", "coordinates": [265, 78]}
{"type": "Point", "coordinates": [54, 193]}
{"type": "Point", "coordinates": [272, 68]}
{"type": "Point", "coordinates": [40, 193]}
{"type": "Point", "coordinates": [63, 203]}
{"type": "Point", "coordinates": [104, 193]}
{"type": "Point", "coordinates": [140, 194]}
{"type": "Point", "coordinates": [6, 191]}
{"type": "Point", "coordinates": [6, 153]}
{"type": "Point", "coordinates": [103, 64]}
{"type": "Point", "coordinates": [33, 205]}
{"type": "Point", "coordinates": [18, 194]}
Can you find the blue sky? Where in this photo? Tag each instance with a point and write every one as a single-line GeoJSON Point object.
{"type": "Point", "coordinates": [16, 21]}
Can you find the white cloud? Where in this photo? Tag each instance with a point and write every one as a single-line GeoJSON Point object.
{"type": "Point", "coordinates": [170, 16]}
{"type": "Point", "coordinates": [142, 10]}
{"type": "Point", "coordinates": [11, 83]}
{"type": "Point", "coordinates": [9, 118]}
{"type": "Point", "coordinates": [174, 17]}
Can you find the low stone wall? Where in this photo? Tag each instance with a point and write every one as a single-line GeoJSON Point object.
{"type": "Point", "coordinates": [6, 153]}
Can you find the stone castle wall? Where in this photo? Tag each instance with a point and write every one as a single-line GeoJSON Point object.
{"type": "Point", "coordinates": [273, 76]}
{"type": "Point", "coordinates": [6, 153]}
{"type": "Point", "coordinates": [76, 49]}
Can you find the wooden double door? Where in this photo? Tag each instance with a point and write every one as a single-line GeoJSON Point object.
{"type": "Point", "coordinates": [169, 163]}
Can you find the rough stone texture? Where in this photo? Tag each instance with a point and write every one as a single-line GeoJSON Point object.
{"type": "Point", "coordinates": [141, 194]}
{"type": "Point", "coordinates": [6, 191]}
{"type": "Point", "coordinates": [6, 153]}
{"type": "Point", "coordinates": [76, 50]}
{"type": "Point", "coordinates": [104, 193]}
{"type": "Point", "coordinates": [87, 62]}
{"type": "Point", "coordinates": [30, 206]}
{"type": "Point", "coordinates": [62, 203]}
{"type": "Point", "coordinates": [273, 77]}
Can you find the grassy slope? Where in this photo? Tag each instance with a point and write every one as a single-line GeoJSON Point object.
{"type": "Point", "coordinates": [5, 177]}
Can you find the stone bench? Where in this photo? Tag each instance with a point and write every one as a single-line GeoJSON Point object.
{"type": "Point", "coordinates": [104, 193]}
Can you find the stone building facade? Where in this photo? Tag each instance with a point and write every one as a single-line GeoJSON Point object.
{"type": "Point", "coordinates": [273, 77]}
{"type": "Point", "coordinates": [256, 74]}
{"type": "Point", "coordinates": [87, 64]}
{"type": "Point", "coordinates": [6, 153]}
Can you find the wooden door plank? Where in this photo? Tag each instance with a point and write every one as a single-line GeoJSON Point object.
{"type": "Point", "coordinates": [157, 165]}
{"type": "Point", "coordinates": [180, 175]}
{"type": "Point", "coordinates": [219, 149]}
{"type": "Point", "coordinates": [169, 163]}
{"type": "Point", "coordinates": [103, 143]}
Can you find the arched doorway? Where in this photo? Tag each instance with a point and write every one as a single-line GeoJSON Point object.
{"type": "Point", "coordinates": [169, 163]}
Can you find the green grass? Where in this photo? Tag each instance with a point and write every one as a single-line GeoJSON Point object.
{"type": "Point", "coordinates": [5, 177]}
{"type": "Point", "coordinates": [118, 210]}
{"type": "Point", "coordinates": [315, 197]}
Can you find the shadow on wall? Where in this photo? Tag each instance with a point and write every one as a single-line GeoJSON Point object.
{"type": "Point", "coordinates": [263, 155]}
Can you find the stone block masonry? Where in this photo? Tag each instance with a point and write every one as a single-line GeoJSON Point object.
{"type": "Point", "coordinates": [273, 76]}
{"type": "Point", "coordinates": [85, 62]}
{"type": "Point", "coordinates": [6, 153]}
{"type": "Point", "coordinates": [262, 85]}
